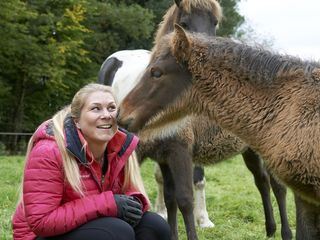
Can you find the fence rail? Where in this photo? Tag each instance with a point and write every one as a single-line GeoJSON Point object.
{"type": "Point", "coordinates": [13, 142]}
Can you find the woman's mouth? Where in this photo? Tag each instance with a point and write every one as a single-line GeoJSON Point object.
{"type": "Point", "coordinates": [105, 126]}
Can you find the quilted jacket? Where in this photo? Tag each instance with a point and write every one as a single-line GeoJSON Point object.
{"type": "Point", "coordinates": [50, 206]}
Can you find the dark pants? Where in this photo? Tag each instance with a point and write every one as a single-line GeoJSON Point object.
{"type": "Point", "coordinates": [151, 227]}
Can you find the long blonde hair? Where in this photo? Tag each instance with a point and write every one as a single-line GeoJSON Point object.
{"type": "Point", "coordinates": [132, 176]}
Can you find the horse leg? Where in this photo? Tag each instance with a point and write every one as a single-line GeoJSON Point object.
{"type": "Point", "coordinates": [169, 198]}
{"type": "Point", "coordinates": [280, 192]}
{"type": "Point", "coordinates": [307, 220]}
{"type": "Point", "coordinates": [160, 206]}
{"type": "Point", "coordinates": [182, 172]}
{"type": "Point", "coordinates": [200, 209]}
{"type": "Point", "coordinates": [261, 179]}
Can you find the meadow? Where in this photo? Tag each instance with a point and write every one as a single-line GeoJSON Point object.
{"type": "Point", "coordinates": [233, 202]}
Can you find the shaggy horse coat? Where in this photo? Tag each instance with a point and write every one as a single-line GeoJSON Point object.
{"type": "Point", "coordinates": [270, 101]}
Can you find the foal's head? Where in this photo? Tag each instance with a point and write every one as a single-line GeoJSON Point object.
{"type": "Point", "coordinates": [163, 80]}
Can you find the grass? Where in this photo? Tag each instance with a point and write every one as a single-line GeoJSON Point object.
{"type": "Point", "coordinates": [233, 202]}
{"type": "Point", "coordinates": [10, 175]}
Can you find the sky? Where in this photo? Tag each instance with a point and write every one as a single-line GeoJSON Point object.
{"type": "Point", "coordinates": [292, 25]}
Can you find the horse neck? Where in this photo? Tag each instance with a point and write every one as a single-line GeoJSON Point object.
{"type": "Point", "coordinates": [227, 97]}
{"type": "Point", "coordinates": [257, 111]}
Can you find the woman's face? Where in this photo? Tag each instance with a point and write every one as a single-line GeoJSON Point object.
{"type": "Point", "coordinates": [98, 118]}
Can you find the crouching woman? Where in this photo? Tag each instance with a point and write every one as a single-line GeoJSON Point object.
{"type": "Point", "coordinates": [81, 177]}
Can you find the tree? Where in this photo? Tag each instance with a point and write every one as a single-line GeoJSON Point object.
{"type": "Point", "coordinates": [232, 20]}
{"type": "Point", "coordinates": [49, 49]}
{"type": "Point", "coordinates": [116, 25]}
{"type": "Point", "coordinates": [42, 48]}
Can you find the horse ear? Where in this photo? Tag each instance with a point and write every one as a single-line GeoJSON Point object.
{"type": "Point", "coordinates": [316, 75]}
{"type": "Point", "coordinates": [181, 44]}
{"type": "Point", "coordinates": [177, 2]}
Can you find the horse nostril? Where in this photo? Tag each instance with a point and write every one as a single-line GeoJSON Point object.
{"type": "Point", "coordinates": [123, 120]}
{"type": "Point", "coordinates": [126, 123]}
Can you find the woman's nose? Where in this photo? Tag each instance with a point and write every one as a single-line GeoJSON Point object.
{"type": "Point", "coordinates": [106, 114]}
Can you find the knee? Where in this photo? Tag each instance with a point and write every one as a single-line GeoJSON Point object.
{"type": "Point", "coordinates": [199, 186]}
{"type": "Point", "coordinates": [161, 225]}
{"type": "Point", "coordinates": [114, 228]}
{"type": "Point", "coordinates": [125, 230]}
{"type": "Point", "coordinates": [154, 225]}
{"type": "Point", "coordinates": [185, 202]}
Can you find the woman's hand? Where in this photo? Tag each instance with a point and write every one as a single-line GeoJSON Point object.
{"type": "Point", "coordinates": [129, 209]}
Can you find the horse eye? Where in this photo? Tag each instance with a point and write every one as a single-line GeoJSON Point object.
{"type": "Point", "coordinates": [215, 21]}
{"type": "Point", "coordinates": [156, 73]}
{"type": "Point", "coordinates": [184, 25]}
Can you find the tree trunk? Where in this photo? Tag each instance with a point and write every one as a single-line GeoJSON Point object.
{"type": "Point", "coordinates": [17, 116]}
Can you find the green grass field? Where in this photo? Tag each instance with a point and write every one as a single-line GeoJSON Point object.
{"type": "Point", "coordinates": [233, 201]}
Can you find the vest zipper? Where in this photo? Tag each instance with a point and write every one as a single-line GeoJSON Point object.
{"type": "Point", "coordinates": [102, 181]}
{"type": "Point", "coordinates": [104, 169]}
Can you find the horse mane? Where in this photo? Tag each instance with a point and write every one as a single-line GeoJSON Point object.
{"type": "Point", "coordinates": [262, 66]}
{"type": "Point", "coordinates": [166, 24]}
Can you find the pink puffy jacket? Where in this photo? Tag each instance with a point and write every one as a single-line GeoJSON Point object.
{"type": "Point", "coordinates": [50, 206]}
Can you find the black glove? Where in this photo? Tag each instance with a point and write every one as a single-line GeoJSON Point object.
{"type": "Point", "coordinates": [129, 209]}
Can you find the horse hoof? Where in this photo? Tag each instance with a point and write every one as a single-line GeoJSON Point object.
{"type": "Point", "coordinates": [205, 223]}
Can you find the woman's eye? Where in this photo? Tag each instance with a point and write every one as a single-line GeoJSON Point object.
{"type": "Point", "coordinates": [112, 108]}
{"type": "Point", "coordinates": [156, 73]}
{"type": "Point", "coordinates": [94, 108]}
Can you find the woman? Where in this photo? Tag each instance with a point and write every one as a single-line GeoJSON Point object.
{"type": "Point", "coordinates": [81, 179]}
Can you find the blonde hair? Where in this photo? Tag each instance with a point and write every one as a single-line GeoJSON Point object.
{"type": "Point", "coordinates": [132, 176]}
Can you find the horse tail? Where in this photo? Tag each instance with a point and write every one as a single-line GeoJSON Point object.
{"type": "Point", "coordinates": [108, 70]}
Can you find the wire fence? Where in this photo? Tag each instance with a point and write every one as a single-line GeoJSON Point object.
{"type": "Point", "coordinates": [12, 143]}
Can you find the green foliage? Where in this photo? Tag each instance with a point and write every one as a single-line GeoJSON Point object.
{"type": "Point", "coordinates": [233, 201]}
{"type": "Point", "coordinates": [10, 177]}
{"type": "Point", "coordinates": [231, 20]}
{"type": "Point", "coordinates": [41, 51]}
{"type": "Point", "coordinates": [116, 26]}
{"type": "Point", "coordinates": [49, 49]}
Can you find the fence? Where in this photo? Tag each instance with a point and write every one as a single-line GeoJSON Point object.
{"type": "Point", "coordinates": [12, 143]}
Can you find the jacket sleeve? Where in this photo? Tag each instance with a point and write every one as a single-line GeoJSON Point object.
{"type": "Point", "coordinates": [43, 188]}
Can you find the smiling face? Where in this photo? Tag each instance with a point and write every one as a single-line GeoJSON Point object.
{"type": "Point", "coordinates": [97, 120]}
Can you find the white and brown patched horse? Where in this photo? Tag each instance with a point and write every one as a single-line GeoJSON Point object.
{"type": "Point", "coordinates": [158, 143]}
